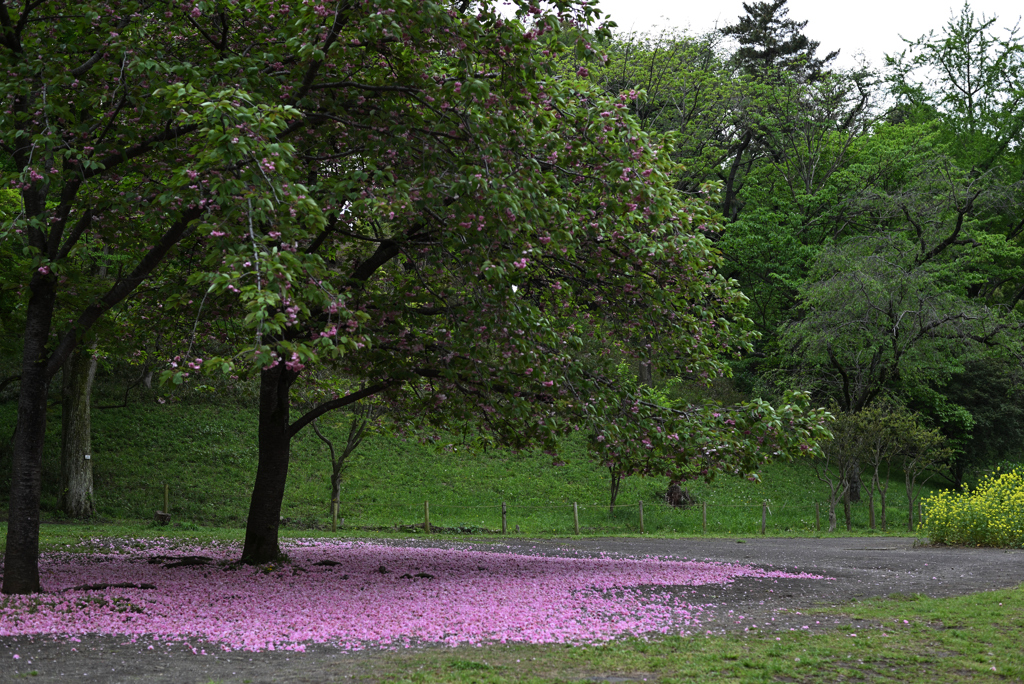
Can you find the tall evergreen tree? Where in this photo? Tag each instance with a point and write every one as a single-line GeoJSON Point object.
{"type": "Point", "coordinates": [770, 40]}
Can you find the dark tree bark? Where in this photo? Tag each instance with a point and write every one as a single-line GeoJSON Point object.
{"type": "Point", "coordinates": [275, 435]}
{"type": "Point", "coordinates": [40, 365]}
{"type": "Point", "coordinates": [21, 570]}
{"type": "Point", "coordinates": [76, 493]}
{"type": "Point", "coordinates": [855, 482]}
{"type": "Point", "coordinates": [616, 480]}
{"type": "Point", "coordinates": [261, 528]}
{"type": "Point", "coordinates": [847, 511]}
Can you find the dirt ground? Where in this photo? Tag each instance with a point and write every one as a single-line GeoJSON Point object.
{"type": "Point", "coordinates": [862, 567]}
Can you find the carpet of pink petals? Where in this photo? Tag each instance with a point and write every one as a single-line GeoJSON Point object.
{"type": "Point", "coordinates": [473, 597]}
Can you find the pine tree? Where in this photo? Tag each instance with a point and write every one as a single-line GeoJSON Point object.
{"type": "Point", "coordinates": [770, 40]}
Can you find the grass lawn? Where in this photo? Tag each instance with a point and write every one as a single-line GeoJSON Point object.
{"type": "Point", "coordinates": [206, 453]}
{"type": "Point", "coordinates": [974, 638]}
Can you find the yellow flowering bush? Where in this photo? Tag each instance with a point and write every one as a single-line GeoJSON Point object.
{"type": "Point", "coordinates": [990, 515]}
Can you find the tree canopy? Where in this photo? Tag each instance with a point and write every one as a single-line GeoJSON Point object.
{"type": "Point", "coordinates": [409, 192]}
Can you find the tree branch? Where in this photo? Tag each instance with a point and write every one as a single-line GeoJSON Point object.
{"type": "Point", "coordinates": [340, 19]}
{"type": "Point", "coordinates": [960, 215]}
{"type": "Point", "coordinates": [142, 148]}
{"type": "Point", "coordinates": [76, 232]}
{"type": "Point", "coordinates": [842, 373]}
{"type": "Point", "coordinates": [371, 88]}
{"type": "Point", "coordinates": [7, 381]}
{"type": "Point", "coordinates": [386, 251]}
{"type": "Point", "coordinates": [338, 403]}
{"type": "Point", "coordinates": [324, 234]}
{"type": "Point", "coordinates": [98, 55]}
{"type": "Point", "coordinates": [121, 289]}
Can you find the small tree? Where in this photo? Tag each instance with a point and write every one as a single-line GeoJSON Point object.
{"type": "Point", "coordinates": [880, 436]}
{"type": "Point", "coordinates": [920, 450]}
{"type": "Point", "coordinates": [363, 414]}
{"type": "Point", "coordinates": [838, 461]}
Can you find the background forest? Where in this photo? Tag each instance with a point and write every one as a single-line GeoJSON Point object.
{"type": "Point", "coordinates": [874, 219]}
{"type": "Point", "coordinates": [874, 222]}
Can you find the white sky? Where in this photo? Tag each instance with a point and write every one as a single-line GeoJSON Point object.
{"type": "Point", "coordinates": [871, 26]}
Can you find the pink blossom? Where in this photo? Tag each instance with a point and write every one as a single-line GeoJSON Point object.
{"type": "Point", "coordinates": [446, 596]}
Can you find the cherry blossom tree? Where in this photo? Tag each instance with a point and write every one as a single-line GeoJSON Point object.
{"type": "Point", "coordinates": [495, 237]}
{"type": "Point", "coordinates": [406, 193]}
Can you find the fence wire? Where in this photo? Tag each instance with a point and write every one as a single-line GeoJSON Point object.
{"type": "Point", "coordinates": [582, 518]}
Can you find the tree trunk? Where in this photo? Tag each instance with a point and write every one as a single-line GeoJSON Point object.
{"type": "Point", "coordinates": [335, 486]}
{"type": "Point", "coordinates": [731, 189]}
{"type": "Point", "coordinates": [871, 508]}
{"type": "Point", "coordinates": [76, 494]}
{"type": "Point", "coordinates": [910, 479]}
{"type": "Point", "coordinates": [21, 555]}
{"type": "Point", "coordinates": [847, 512]}
{"type": "Point", "coordinates": [855, 483]}
{"type": "Point", "coordinates": [645, 372]}
{"type": "Point", "coordinates": [272, 470]}
{"type": "Point", "coordinates": [881, 499]}
{"type": "Point", "coordinates": [616, 476]}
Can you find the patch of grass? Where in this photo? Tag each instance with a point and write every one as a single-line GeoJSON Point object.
{"type": "Point", "coordinates": [469, 666]}
{"type": "Point", "coordinates": [947, 640]}
{"type": "Point", "coordinates": [206, 452]}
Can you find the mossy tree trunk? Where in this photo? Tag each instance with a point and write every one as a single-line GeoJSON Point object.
{"type": "Point", "coordinates": [76, 490]}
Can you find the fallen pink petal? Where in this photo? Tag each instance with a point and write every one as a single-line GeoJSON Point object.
{"type": "Point", "coordinates": [356, 595]}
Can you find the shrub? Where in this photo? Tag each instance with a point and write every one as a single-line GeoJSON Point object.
{"type": "Point", "coordinates": [992, 514]}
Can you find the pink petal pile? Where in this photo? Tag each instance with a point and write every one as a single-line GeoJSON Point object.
{"type": "Point", "coordinates": [371, 598]}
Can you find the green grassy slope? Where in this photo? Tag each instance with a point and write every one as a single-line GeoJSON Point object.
{"type": "Point", "coordinates": [206, 451]}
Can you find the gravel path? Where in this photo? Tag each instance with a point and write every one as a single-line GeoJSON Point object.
{"type": "Point", "coordinates": [862, 567]}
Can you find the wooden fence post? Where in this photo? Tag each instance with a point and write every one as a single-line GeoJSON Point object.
{"type": "Point", "coordinates": [576, 517]}
{"type": "Point", "coordinates": [764, 517]}
{"type": "Point", "coordinates": [163, 517]}
{"type": "Point", "coordinates": [504, 518]}
{"type": "Point", "coordinates": [426, 516]}
{"type": "Point", "coordinates": [641, 517]}
{"type": "Point", "coordinates": [871, 508]}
